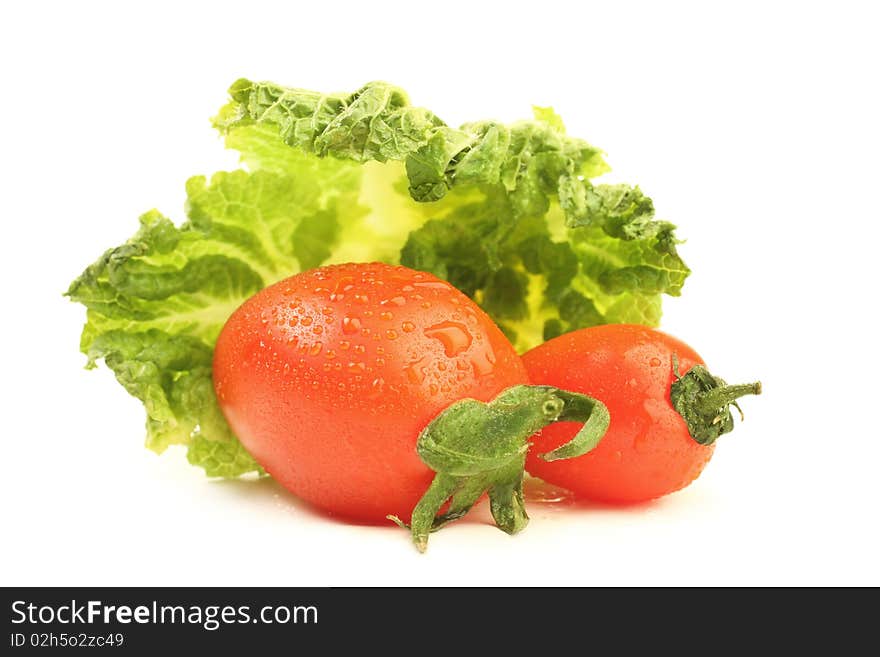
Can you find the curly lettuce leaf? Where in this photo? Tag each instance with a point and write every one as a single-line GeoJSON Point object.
{"type": "Point", "coordinates": [507, 213]}
{"type": "Point", "coordinates": [511, 216]}
{"type": "Point", "coordinates": [157, 303]}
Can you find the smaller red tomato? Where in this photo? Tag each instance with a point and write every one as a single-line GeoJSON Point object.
{"type": "Point", "coordinates": [647, 379]}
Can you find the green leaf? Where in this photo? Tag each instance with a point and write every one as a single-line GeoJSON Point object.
{"type": "Point", "coordinates": [157, 303]}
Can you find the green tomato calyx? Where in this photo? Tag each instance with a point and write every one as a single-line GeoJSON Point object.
{"type": "Point", "coordinates": [475, 447]}
{"type": "Point", "coordinates": [704, 401]}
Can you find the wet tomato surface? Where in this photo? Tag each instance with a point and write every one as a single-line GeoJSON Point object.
{"type": "Point", "coordinates": [647, 451]}
{"type": "Point", "coordinates": [329, 376]}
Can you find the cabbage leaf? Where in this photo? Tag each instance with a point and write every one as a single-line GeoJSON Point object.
{"type": "Point", "coordinates": [509, 214]}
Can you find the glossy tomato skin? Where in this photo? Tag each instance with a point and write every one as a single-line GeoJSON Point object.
{"type": "Point", "coordinates": [328, 377]}
{"type": "Point", "coordinates": [647, 451]}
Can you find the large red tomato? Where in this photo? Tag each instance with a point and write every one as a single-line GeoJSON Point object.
{"type": "Point", "coordinates": [328, 377]}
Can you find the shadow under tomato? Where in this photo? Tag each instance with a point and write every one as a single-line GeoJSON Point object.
{"type": "Point", "coordinates": [541, 495]}
{"type": "Point", "coordinates": [267, 490]}
{"type": "Point", "coordinates": [541, 499]}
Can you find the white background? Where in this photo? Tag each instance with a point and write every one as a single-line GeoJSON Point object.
{"type": "Point", "coordinates": [753, 126]}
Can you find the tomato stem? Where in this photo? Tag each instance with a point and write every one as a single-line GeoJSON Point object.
{"type": "Point", "coordinates": [703, 400]}
{"type": "Point", "coordinates": [475, 446]}
{"type": "Point", "coordinates": [712, 400]}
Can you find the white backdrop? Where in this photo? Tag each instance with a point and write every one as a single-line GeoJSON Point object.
{"type": "Point", "coordinates": [754, 128]}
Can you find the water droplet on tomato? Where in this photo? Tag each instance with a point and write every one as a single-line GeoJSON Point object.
{"type": "Point", "coordinates": [344, 345]}
{"type": "Point", "coordinates": [655, 362]}
{"type": "Point", "coordinates": [454, 337]}
{"type": "Point", "coordinates": [350, 325]}
{"type": "Point", "coordinates": [359, 349]}
{"type": "Point", "coordinates": [395, 301]}
{"type": "Point", "coordinates": [330, 354]}
{"type": "Point", "coordinates": [432, 285]}
{"type": "Point", "coordinates": [316, 349]}
{"type": "Point", "coordinates": [317, 330]}
{"type": "Point", "coordinates": [433, 389]}
{"type": "Point", "coordinates": [407, 327]}
{"type": "Point", "coordinates": [391, 334]}
{"type": "Point", "coordinates": [356, 367]}
{"type": "Point", "coordinates": [361, 298]}
{"type": "Point", "coordinates": [293, 321]}
{"type": "Point", "coordinates": [416, 370]}
{"type": "Point", "coordinates": [387, 316]}
{"type": "Point", "coordinates": [306, 321]}
{"type": "Point", "coordinates": [483, 361]}
{"type": "Point", "coordinates": [377, 387]}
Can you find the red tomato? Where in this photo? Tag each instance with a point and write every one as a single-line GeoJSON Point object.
{"type": "Point", "coordinates": [647, 451]}
{"type": "Point", "coordinates": [328, 377]}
